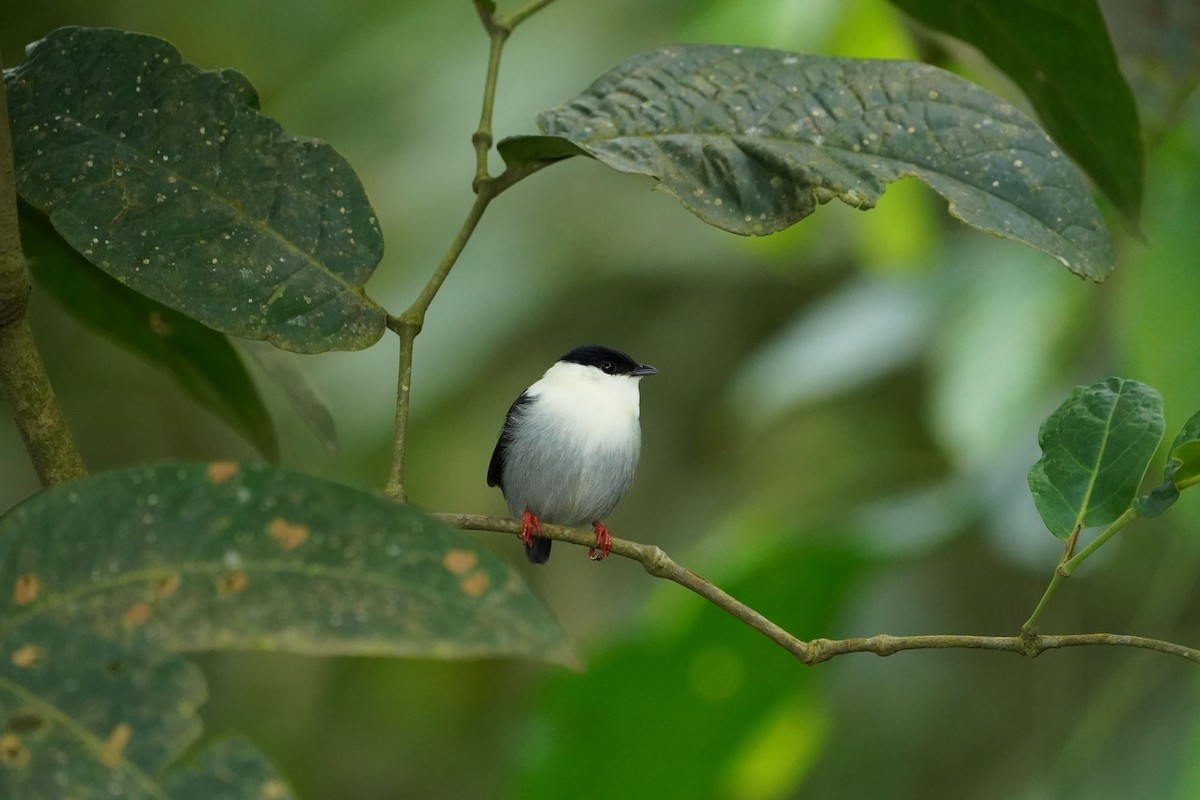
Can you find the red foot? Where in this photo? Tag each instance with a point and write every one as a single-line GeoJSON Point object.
{"type": "Point", "coordinates": [603, 542]}
{"type": "Point", "coordinates": [529, 526]}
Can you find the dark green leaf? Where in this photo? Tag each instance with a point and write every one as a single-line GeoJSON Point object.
{"type": "Point", "coordinates": [224, 556]}
{"type": "Point", "coordinates": [1095, 449]}
{"type": "Point", "coordinates": [750, 140]}
{"type": "Point", "coordinates": [169, 179]}
{"type": "Point", "coordinates": [200, 359]}
{"type": "Point", "coordinates": [1061, 56]}
{"type": "Point", "coordinates": [232, 769]}
{"type": "Point", "coordinates": [86, 716]}
{"type": "Point", "coordinates": [284, 372]}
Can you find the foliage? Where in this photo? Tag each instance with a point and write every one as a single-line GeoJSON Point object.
{"type": "Point", "coordinates": [206, 221]}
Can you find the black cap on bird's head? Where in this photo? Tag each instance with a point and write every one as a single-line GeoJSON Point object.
{"type": "Point", "coordinates": [607, 360]}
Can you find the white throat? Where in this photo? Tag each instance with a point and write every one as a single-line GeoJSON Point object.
{"type": "Point", "coordinates": [596, 406]}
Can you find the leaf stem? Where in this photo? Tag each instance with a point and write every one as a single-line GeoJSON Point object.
{"type": "Point", "coordinates": [23, 379]}
{"type": "Point", "coordinates": [658, 563]}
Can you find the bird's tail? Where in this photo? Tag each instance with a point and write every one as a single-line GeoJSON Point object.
{"type": "Point", "coordinates": [538, 551]}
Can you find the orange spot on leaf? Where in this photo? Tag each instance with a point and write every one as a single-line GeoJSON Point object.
{"type": "Point", "coordinates": [474, 584]}
{"type": "Point", "coordinates": [460, 562]}
{"type": "Point", "coordinates": [290, 535]}
{"type": "Point", "coordinates": [167, 585]}
{"type": "Point", "coordinates": [232, 582]}
{"type": "Point", "coordinates": [137, 613]}
{"type": "Point", "coordinates": [27, 656]}
{"type": "Point", "coordinates": [221, 471]}
{"type": "Point", "coordinates": [13, 753]}
{"type": "Point", "coordinates": [273, 789]}
{"type": "Point", "coordinates": [114, 745]}
{"type": "Point", "coordinates": [158, 324]}
{"type": "Point", "coordinates": [26, 589]}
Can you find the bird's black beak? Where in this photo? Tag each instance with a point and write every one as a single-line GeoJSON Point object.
{"type": "Point", "coordinates": [643, 369]}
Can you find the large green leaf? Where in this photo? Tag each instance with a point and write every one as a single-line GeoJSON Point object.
{"type": "Point", "coordinates": [195, 557]}
{"type": "Point", "coordinates": [201, 360]}
{"type": "Point", "coordinates": [751, 139]}
{"type": "Point", "coordinates": [1061, 56]}
{"type": "Point", "coordinates": [169, 179]}
{"type": "Point", "coordinates": [1095, 449]}
{"type": "Point", "coordinates": [86, 716]}
{"type": "Point", "coordinates": [88, 713]}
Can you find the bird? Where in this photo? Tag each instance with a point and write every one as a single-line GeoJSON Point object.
{"type": "Point", "coordinates": [570, 445]}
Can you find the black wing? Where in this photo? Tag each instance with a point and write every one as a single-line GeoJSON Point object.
{"type": "Point", "coordinates": [496, 468]}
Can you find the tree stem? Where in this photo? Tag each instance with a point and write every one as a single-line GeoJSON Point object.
{"type": "Point", "coordinates": [23, 379]}
{"type": "Point", "coordinates": [408, 325]}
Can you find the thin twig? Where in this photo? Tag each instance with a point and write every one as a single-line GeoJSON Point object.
{"type": "Point", "coordinates": [658, 563]}
{"type": "Point", "coordinates": [482, 138]}
{"type": "Point", "coordinates": [520, 15]}
{"type": "Point", "coordinates": [23, 379]}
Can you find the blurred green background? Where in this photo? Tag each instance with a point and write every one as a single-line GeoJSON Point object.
{"type": "Point", "coordinates": [839, 435]}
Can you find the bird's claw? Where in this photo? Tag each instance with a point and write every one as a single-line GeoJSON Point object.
{"type": "Point", "coordinates": [603, 544]}
{"type": "Point", "coordinates": [529, 526]}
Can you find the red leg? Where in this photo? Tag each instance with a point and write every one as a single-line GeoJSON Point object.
{"type": "Point", "coordinates": [529, 526]}
{"type": "Point", "coordinates": [603, 542]}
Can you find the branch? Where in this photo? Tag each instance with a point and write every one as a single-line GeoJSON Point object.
{"type": "Point", "coordinates": [659, 564]}
{"type": "Point", "coordinates": [408, 325]}
{"type": "Point", "coordinates": [1068, 563]}
{"type": "Point", "coordinates": [23, 378]}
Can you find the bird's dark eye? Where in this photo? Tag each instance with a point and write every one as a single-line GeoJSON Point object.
{"type": "Point", "coordinates": [608, 367]}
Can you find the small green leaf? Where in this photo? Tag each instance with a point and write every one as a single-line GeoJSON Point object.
{"type": "Point", "coordinates": [168, 178]}
{"type": "Point", "coordinates": [228, 556]}
{"type": "Point", "coordinates": [1061, 56]}
{"type": "Point", "coordinates": [1188, 458]}
{"type": "Point", "coordinates": [1095, 449]}
{"type": "Point", "coordinates": [1185, 452]}
{"type": "Point", "coordinates": [751, 139]}
{"type": "Point", "coordinates": [201, 360]}
{"type": "Point", "coordinates": [79, 712]}
{"type": "Point", "coordinates": [232, 769]}
{"type": "Point", "coordinates": [1181, 471]}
